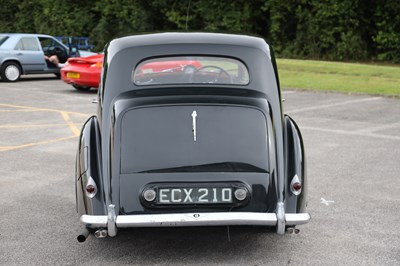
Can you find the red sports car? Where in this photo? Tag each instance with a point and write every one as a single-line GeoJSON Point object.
{"type": "Point", "coordinates": [83, 72]}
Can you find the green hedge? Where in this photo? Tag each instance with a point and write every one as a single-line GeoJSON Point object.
{"type": "Point", "coordinates": [347, 30]}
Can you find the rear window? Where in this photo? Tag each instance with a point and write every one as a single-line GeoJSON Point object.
{"type": "Point", "coordinates": [191, 70]}
{"type": "Point", "coordinates": [3, 39]}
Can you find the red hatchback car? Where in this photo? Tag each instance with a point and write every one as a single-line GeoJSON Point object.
{"type": "Point", "coordinates": [83, 73]}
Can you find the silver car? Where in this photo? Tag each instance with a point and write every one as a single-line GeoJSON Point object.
{"type": "Point", "coordinates": [22, 53]}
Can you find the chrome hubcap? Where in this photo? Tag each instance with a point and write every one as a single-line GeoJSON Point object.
{"type": "Point", "coordinates": [12, 72]}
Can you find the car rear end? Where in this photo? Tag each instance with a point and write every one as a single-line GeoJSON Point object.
{"type": "Point", "coordinates": [83, 71]}
{"type": "Point", "coordinates": [190, 140]}
{"type": "Point", "coordinates": [192, 164]}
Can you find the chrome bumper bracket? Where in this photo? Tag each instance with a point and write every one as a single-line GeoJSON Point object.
{"type": "Point", "coordinates": [111, 221]}
{"type": "Point", "coordinates": [280, 215]}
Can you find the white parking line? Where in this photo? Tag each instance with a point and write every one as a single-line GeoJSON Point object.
{"type": "Point", "coordinates": [288, 92]}
{"type": "Point", "coordinates": [333, 105]}
{"type": "Point", "coordinates": [326, 202]}
{"type": "Point", "coordinates": [353, 133]}
{"type": "Point", "coordinates": [378, 128]}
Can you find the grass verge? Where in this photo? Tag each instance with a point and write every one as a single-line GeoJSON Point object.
{"type": "Point", "coordinates": [341, 77]}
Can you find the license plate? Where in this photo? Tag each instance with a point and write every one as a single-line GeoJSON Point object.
{"type": "Point", "coordinates": [73, 75]}
{"type": "Point", "coordinates": [194, 195]}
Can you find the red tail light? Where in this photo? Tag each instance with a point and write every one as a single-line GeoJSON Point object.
{"type": "Point", "coordinates": [295, 185]}
{"type": "Point", "coordinates": [91, 188]}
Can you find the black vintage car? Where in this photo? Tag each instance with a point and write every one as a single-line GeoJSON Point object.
{"type": "Point", "coordinates": [189, 132]}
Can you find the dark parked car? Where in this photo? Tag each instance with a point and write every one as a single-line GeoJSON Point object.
{"type": "Point", "coordinates": [23, 53]}
{"type": "Point", "coordinates": [203, 145]}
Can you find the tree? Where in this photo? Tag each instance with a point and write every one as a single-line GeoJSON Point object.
{"type": "Point", "coordinates": [8, 18]}
{"type": "Point", "coordinates": [388, 30]}
{"type": "Point", "coordinates": [320, 29]}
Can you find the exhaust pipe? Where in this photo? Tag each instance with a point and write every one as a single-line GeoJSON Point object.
{"type": "Point", "coordinates": [101, 233]}
{"type": "Point", "coordinates": [83, 235]}
{"type": "Point", "coordinates": [292, 230]}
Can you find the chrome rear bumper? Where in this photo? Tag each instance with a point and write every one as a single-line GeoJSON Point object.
{"type": "Point", "coordinates": [190, 219]}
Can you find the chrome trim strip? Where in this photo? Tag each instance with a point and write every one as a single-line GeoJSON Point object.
{"type": "Point", "coordinates": [194, 129]}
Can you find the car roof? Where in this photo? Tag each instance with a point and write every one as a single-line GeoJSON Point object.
{"type": "Point", "coordinates": [122, 55]}
{"type": "Point", "coordinates": [191, 38]}
{"type": "Point", "coordinates": [14, 37]}
{"type": "Point", "coordinates": [26, 34]}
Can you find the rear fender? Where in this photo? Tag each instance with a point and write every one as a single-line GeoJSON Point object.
{"type": "Point", "coordinates": [295, 164]}
{"type": "Point", "coordinates": [88, 166]}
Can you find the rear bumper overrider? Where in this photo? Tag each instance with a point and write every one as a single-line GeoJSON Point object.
{"type": "Point", "coordinates": [111, 221]}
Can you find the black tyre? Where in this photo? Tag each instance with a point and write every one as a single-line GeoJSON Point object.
{"type": "Point", "coordinates": [81, 88]}
{"type": "Point", "coordinates": [10, 71]}
{"type": "Point", "coordinates": [58, 75]}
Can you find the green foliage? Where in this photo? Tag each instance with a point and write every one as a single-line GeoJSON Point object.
{"type": "Point", "coordinates": [8, 18]}
{"type": "Point", "coordinates": [318, 29]}
{"type": "Point", "coordinates": [234, 16]}
{"type": "Point", "coordinates": [55, 17]}
{"type": "Point", "coordinates": [388, 30]}
{"type": "Point", "coordinates": [25, 23]}
{"type": "Point", "coordinates": [283, 25]}
{"type": "Point", "coordinates": [315, 29]}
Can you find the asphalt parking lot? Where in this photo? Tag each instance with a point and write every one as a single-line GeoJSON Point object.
{"type": "Point", "coordinates": [353, 152]}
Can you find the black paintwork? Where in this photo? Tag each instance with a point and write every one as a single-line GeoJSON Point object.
{"type": "Point", "coordinates": [240, 124]}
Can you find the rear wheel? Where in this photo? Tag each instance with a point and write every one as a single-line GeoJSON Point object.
{"type": "Point", "coordinates": [81, 88]}
{"type": "Point", "coordinates": [10, 71]}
